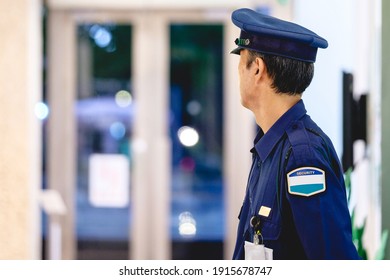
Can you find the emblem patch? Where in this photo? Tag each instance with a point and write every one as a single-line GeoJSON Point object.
{"type": "Point", "coordinates": [306, 181]}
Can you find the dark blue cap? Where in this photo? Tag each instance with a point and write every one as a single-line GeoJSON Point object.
{"type": "Point", "coordinates": [270, 35]}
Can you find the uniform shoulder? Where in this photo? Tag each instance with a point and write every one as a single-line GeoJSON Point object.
{"type": "Point", "coordinates": [307, 140]}
{"type": "Point", "coordinates": [306, 132]}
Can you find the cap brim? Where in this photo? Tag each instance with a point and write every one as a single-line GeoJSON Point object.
{"type": "Point", "coordinates": [236, 50]}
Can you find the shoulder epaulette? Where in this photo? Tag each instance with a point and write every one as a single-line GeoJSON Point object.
{"type": "Point", "coordinates": [300, 142]}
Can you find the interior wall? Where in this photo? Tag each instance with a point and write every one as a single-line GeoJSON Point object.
{"type": "Point", "coordinates": [353, 48]}
{"type": "Point", "coordinates": [20, 89]}
{"type": "Point", "coordinates": [326, 87]}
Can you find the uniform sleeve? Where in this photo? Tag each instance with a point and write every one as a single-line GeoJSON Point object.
{"type": "Point", "coordinates": [318, 203]}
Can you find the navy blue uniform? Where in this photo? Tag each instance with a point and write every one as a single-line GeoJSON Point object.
{"type": "Point", "coordinates": [302, 219]}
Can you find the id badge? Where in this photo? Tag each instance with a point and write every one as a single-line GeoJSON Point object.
{"type": "Point", "coordinates": [257, 251]}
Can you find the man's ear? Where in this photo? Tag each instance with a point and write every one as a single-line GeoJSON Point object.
{"type": "Point", "coordinates": [260, 69]}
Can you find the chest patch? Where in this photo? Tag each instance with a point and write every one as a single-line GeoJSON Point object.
{"type": "Point", "coordinates": [306, 181]}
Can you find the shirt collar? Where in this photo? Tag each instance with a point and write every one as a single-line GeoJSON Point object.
{"type": "Point", "coordinates": [264, 143]}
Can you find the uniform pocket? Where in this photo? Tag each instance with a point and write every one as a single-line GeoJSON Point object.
{"type": "Point", "coordinates": [269, 230]}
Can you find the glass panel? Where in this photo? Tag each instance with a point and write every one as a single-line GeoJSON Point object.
{"type": "Point", "coordinates": [197, 226]}
{"type": "Point", "coordinates": [104, 119]}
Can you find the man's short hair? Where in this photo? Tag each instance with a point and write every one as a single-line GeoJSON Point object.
{"type": "Point", "coordinates": [289, 76]}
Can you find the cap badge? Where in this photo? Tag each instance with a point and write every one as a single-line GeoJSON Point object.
{"type": "Point", "coordinates": [242, 42]}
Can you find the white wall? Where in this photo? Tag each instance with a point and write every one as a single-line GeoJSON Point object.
{"type": "Point", "coordinates": [351, 28]}
{"type": "Point", "coordinates": [333, 20]}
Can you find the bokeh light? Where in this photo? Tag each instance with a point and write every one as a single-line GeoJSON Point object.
{"type": "Point", "coordinates": [123, 98]}
{"type": "Point", "coordinates": [101, 35]}
{"type": "Point", "coordinates": [187, 224]}
{"type": "Point", "coordinates": [41, 110]}
{"type": "Point", "coordinates": [188, 136]}
{"type": "Point", "coordinates": [117, 130]}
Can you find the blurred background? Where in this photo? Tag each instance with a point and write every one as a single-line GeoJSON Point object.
{"type": "Point", "coordinates": [122, 135]}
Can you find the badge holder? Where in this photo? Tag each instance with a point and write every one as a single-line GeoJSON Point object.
{"type": "Point", "coordinates": [256, 250]}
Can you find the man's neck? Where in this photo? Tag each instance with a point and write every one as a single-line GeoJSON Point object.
{"type": "Point", "coordinates": [272, 107]}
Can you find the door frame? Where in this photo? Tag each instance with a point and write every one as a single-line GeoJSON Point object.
{"type": "Point", "coordinates": [153, 198]}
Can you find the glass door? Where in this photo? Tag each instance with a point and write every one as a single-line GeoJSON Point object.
{"type": "Point", "coordinates": [196, 112]}
{"type": "Point", "coordinates": [104, 111]}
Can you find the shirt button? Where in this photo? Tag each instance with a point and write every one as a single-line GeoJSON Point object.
{"type": "Point", "coordinates": [295, 126]}
{"type": "Point", "coordinates": [259, 163]}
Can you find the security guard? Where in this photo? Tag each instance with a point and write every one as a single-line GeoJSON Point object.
{"type": "Point", "coordinates": [295, 198]}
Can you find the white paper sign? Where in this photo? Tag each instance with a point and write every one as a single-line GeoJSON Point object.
{"type": "Point", "coordinates": [109, 180]}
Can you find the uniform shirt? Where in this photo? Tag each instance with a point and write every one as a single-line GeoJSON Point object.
{"type": "Point", "coordinates": [301, 216]}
